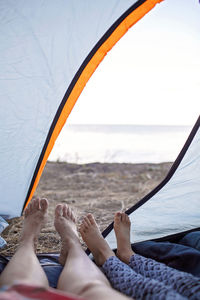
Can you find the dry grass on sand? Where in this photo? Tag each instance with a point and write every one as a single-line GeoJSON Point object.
{"type": "Point", "coordinates": [95, 188]}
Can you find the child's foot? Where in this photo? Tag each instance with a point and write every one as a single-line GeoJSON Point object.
{"type": "Point", "coordinates": [65, 224]}
{"type": "Point", "coordinates": [122, 231]}
{"type": "Point", "coordinates": [35, 218]}
{"type": "Point", "coordinates": [94, 240]}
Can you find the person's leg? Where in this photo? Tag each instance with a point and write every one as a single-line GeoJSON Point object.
{"type": "Point", "coordinates": [120, 275]}
{"type": "Point", "coordinates": [184, 283]}
{"type": "Point", "coordinates": [122, 226]}
{"type": "Point", "coordinates": [24, 266]}
{"type": "Point", "coordinates": [80, 275]}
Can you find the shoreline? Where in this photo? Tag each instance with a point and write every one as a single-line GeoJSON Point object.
{"type": "Point", "coordinates": [97, 188]}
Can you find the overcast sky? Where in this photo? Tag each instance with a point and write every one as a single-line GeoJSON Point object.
{"type": "Point", "coordinates": [152, 75]}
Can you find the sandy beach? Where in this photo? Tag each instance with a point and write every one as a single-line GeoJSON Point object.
{"type": "Point", "coordinates": [101, 189]}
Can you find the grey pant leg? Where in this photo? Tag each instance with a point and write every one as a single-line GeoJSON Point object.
{"type": "Point", "coordinates": [134, 285]}
{"type": "Point", "coordinates": [184, 283]}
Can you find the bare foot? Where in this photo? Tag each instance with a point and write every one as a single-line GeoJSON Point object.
{"type": "Point", "coordinates": [94, 240]}
{"type": "Point", "coordinates": [35, 218]}
{"type": "Point", "coordinates": [122, 231]}
{"type": "Point", "coordinates": [65, 224]}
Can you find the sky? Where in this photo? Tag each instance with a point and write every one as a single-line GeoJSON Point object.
{"type": "Point", "coordinates": [152, 75]}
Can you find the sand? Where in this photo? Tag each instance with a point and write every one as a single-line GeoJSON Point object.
{"type": "Point", "coordinates": [101, 189]}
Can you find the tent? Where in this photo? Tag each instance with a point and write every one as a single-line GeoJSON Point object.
{"type": "Point", "coordinates": [48, 52]}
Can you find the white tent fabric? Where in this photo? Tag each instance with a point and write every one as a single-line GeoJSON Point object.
{"type": "Point", "coordinates": [42, 46]}
{"type": "Point", "coordinates": [175, 207]}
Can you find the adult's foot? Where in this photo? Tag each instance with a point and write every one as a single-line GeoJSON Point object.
{"type": "Point", "coordinates": [94, 240]}
{"type": "Point", "coordinates": [65, 224]}
{"type": "Point", "coordinates": [122, 231]}
{"type": "Point", "coordinates": [35, 217]}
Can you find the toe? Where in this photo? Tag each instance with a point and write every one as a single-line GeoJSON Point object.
{"type": "Point", "coordinates": [73, 216]}
{"type": "Point", "coordinates": [91, 219]}
{"type": "Point", "coordinates": [69, 213]}
{"type": "Point", "coordinates": [118, 217]}
{"type": "Point", "coordinates": [81, 229]}
{"type": "Point", "coordinates": [36, 204]}
{"type": "Point", "coordinates": [43, 204]}
{"type": "Point", "coordinates": [127, 219]}
{"type": "Point", "coordinates": [85, 224]}
{"type": "Point", "coordinates": [65, 210]}
{"type": "Point", "coordinates": [123, 217]}
{"type": "Point", "coordinates": [87, 221]}
{"type": "Point", "coordinates": [59, 210]}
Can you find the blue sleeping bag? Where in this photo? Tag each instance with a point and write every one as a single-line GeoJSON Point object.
{"type": "Point", "coordinates": [183, 256]}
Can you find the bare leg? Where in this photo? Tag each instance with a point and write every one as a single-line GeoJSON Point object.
{"type": "Point", "coordinates": [94, 240]}
{"type": "Point", "coordinates": [80, 275]}
{"type": "Point", "coordinates": [122, 277]}
{"type": "Point", "coordinates": [122, 231]}
{"type": "Point", "coordinates": [183, 283]}
{"type": "Point", "coordinates": [24, 266]}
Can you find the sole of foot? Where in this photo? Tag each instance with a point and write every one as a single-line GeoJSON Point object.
{"type": "Point", "coordinates": [91, 235]}
{"type": "Point", "coordinates": [65, 224]}
{"type": "Point", "coordinates": [35, 217]}
{"type": "Point", "coordinates": [122, 226]}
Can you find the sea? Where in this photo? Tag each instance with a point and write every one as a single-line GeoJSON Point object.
{"type": "Point", "coordinates": [84, 144]}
